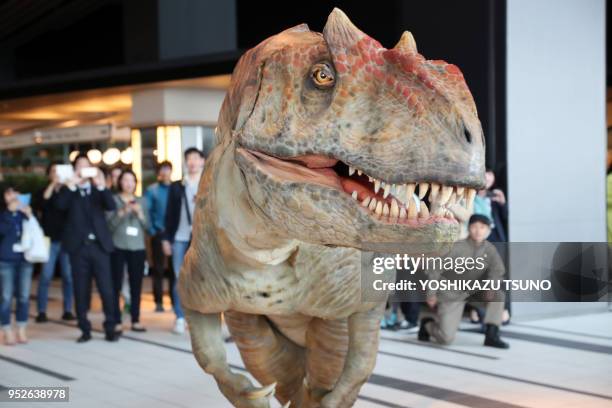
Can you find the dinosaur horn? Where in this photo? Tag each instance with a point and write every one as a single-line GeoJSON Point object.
{"type": "Point", "coordinates": [300, 28]}
{"type": "Point", "coordinates": [339, 31]}
{"type": "Point", "coordinates": [406, 44]}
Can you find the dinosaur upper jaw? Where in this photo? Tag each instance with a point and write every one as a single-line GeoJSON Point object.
{"type": "Point", "coordinates": [414, 204]}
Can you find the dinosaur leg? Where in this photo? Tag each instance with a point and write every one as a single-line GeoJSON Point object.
{"type": "Point", "coordinates": [360, 359]}
{"type": "Point", "coordinates": [267, 354]}
{"type": "Point", "coordinates": [327, 344]}
{"type": "Point", "coordinates": [209, 351]}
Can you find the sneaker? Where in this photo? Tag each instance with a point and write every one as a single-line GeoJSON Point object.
{"type": "Point", "coordinates": [22, 336]}
{"type": "Point", "coordinates": [383, 323]}
{"type": "Point", "coordinates": [406, 325]}
{"type": "Point", "coordinates": [9, 337]}
{"type": "Point", "coordinates": [68, 316]}
{"type": "Point", "coordinates": [179, 326]}
{"type": "Point", "coordinates": [159, 308]}
{"type": "Point", "coordinates": [474, 317]}
{"type": "Point", "coordinates": [42, 317]}
{"type": "Point", "coordinates": [392, 319]}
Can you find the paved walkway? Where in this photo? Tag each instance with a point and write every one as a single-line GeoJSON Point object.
{"type": "Point", "coordinates": [564, 362]}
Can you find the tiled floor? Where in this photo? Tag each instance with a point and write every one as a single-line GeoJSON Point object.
{"type": "Point", "coordinates": [564, 362]}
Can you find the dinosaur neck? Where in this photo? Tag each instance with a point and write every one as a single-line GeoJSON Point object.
{"type": "Point", "coordinates": [240, 224]}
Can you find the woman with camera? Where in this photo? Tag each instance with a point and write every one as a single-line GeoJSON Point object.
{"type": "Point", "coordinates": [15, 271]}
{"type": "Point", "coordinates": [128, 224]}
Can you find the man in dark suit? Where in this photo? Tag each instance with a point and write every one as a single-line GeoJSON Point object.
{"type": "Point", "coordinates": [88, 241]}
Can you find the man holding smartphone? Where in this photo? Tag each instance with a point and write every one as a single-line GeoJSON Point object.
{"type": "Point", "coordinates": [53, 221]}
{"type": "Point", "coordinates": [87, 239]}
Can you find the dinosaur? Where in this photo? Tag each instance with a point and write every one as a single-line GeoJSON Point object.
{"type": "Point", "coordinates": [326, 142]}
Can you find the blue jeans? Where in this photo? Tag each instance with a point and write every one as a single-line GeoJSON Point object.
{"type": "Point", "coordinates": [179, 248]}
{"type": "Point", "coordinates": [15, 278]}
{"type": "Point", "coordinates": [46, 274]}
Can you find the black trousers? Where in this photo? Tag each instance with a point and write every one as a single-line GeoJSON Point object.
{"type": "Point", "coordinates": [411, 310]}
{"type": "Point", "coordinates": [89, 262]}
{"type": "Point", "coordinates": [161, 265]}
{"type": "Point", "coordinates": [135, 267]}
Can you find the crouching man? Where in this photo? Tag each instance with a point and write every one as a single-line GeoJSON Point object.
{"type": "Point", "coordinates": [449, 304]}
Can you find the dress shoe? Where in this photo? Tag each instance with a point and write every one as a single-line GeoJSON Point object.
{"type": "Point", "coordinates": [423, 333]}
{"type": "Point", "coordinates": [68, 316]}
{"type": "Point", "coordinates": [137, 327]}
{"type": "Point", "coordinates": [112, 337]}
{"type": "Point", "coordinates": [41, 318]}
{"type": "Point", "coordinates": [85, 337]}
{"type": "Point", "coordinates": [492, 338]}
{"type": "Point", "coordinates": [159, 308]}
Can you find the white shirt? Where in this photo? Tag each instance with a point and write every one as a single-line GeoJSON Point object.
{"type": "Point", "coordinates": [183, 233]}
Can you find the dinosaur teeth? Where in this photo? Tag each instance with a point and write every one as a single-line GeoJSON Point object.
{"type": "Point", "coordinates": [469, 199]}
{"type": "Point", "coordinates": [405, 203]}
{"type": "Point", "coordinates": [412, 210]}
{"type": "Point", "coordinates": [372, 205]}
{"type": "Point", "coordinates": [435, 187]}
{"type": "Point", "coordinates": [387, 190]}
{"type": "Point", "coordinates": [379, 208]}
{"type": "Point", "coordinates": [423, 187]}
{"type": "Point", "coordinates": [394, 209]}
{"type": "Point", "coordinates": [409, 192]}
{"type": "Point", "coordinates": [424, 213]}
{"type": "Point", "coordinates": [445, 194]}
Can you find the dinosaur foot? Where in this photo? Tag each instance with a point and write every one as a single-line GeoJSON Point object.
{"type": "Point", "coordinates": [254, 397]}
{"type": "Point", "coordinates": [263, 392]}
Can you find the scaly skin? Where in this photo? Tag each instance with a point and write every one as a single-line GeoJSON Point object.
{"type": "Point", "coordinates": [277, 237]}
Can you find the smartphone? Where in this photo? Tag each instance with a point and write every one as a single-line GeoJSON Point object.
{"type": "Point", "coordinates": [89, 172]}
{"type": "Point", "coordinates": [24, 200]}
{"type": "Point", "coordinates": [64, 172]}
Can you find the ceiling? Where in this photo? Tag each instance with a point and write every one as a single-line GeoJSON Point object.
{"type": "Point", "coordinates": [100, 106]}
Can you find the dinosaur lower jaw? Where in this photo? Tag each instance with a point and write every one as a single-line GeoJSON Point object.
{"type": "Point", "coordinates": [388, 203]}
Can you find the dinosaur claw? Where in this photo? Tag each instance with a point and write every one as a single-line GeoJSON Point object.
{"type": "Point", "coordinates": [267, 391]}
{"type": "Point", "coordinates": [286, 405]}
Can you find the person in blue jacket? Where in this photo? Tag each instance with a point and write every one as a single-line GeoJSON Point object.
{"type": "Point", "coordinates": [15, 271]}
{"type": "Point", "coordinates": [156, 197]}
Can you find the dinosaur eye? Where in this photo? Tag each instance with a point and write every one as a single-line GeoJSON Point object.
{"type": "Point", "coordinates": [322, 76]}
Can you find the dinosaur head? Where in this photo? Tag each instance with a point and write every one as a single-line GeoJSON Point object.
{"type": "Point", "coordinates": [343, 142]}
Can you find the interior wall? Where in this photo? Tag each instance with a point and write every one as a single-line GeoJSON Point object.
{"type": "Point", "coordinates": [556, 129]}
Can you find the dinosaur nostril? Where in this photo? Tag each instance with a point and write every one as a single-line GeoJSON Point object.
{"type": "Point", "coordinates": [467, 135]}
